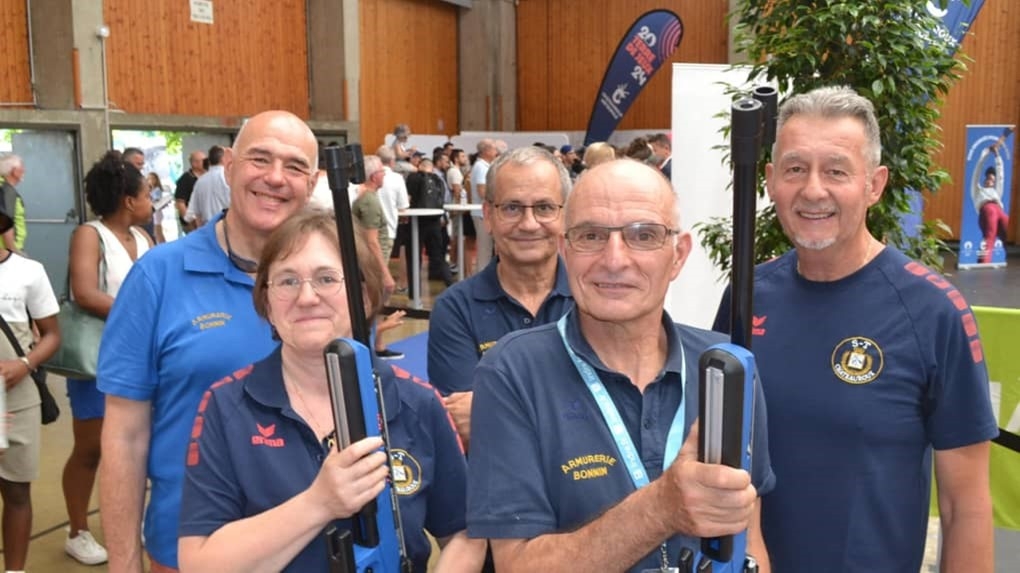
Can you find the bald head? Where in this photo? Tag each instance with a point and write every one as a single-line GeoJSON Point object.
{"type": "Point", "coordinates": [271, 170]}
{"type": "Point", "coordinates": [606, 179]}
{"type": "Point", "coordinates": [282, 126]}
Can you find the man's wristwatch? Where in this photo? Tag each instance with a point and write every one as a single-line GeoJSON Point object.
{"type": "Point", "coordinates": [28, 363]}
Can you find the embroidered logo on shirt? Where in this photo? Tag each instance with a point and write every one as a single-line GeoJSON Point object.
{"type": "Point", "coordinates": [211, 320]}
{"type": "Point", "coordinates": [589, 466]}
{"type": "Point", "coordinates": [406, 472]}
{"type": "Point", "coordinates": [485, 346]}
{"type": "Point", "coordinates": [265, 436]}
{"type": "Point", "coordinates": [575, 410]}
{"type": "Point", "coordinates": [857, 360]}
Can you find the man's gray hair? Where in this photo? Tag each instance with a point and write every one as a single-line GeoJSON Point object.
{"type": "Point", "coordinates": [8, 161]}
{"type": "Point", "coordinates": [485, 144]}
{"type": "Point", "coordinates": [523, 156]}
{"type": "Point", "coordinates": [386, 155]}
{"type": "Point", "coordinates": [832, 103]}
{"type": "Point", "coordinates": [372, 164]}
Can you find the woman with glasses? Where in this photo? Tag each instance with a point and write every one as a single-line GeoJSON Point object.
{"type": "Point", "coordinates": [263, 478]}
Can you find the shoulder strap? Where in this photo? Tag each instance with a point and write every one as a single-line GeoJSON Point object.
{"type": "Point", "coordinates": [102, 263]}
{"type": "Point", "coordinates": [10, 336]}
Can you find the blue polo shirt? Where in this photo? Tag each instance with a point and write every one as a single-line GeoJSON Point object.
{"type": "Point", "coordinates": [183, 319]}
{"type": "Point", "coordinates": [469, 317]}
{"type": "Point", "coordinates": [254, 452]}
{"type": "Point", "coordinates": [542, 458]}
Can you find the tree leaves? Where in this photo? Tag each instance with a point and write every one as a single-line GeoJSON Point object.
{"type": "Point", "coordinates": [889, 52]}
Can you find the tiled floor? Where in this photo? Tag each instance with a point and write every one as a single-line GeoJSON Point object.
{"type": "Point", "coordinates": [46, 551]}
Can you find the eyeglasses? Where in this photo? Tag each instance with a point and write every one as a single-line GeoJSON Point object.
{"type": "Point", "coordinates": [543, 211]}
{"type": "Point", "coordinates": [287, 286]}
{"type": "Point", "coordinates": [637, 236]}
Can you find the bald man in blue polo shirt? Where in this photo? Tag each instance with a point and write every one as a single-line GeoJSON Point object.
{"type": "Point", "coordinates": [576, 461]}
{"type": "Point", "coordinates": [525, 286]}
{"type": "Point", "coordinates": [184, 319]}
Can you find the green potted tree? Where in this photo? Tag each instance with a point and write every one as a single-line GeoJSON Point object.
{"type": "Point", "coordinates": [889, 52]}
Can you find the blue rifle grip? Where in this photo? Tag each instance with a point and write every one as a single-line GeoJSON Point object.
{"type": "Point", "coordinates": [736, 364]}
{"type": "Point", "coordinates": [376, 545]}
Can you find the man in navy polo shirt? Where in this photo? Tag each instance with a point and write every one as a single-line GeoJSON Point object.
{"type": "Point", "coordinates": [525, 286]}
{"type": "Point", "coordinates": [550, 484]}
{"type": "Point", "coordinates": [184, 319]}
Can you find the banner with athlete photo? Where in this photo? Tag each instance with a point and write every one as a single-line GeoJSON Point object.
{"type": "Point", "coordinates": [986, 197]}
{"type": "Point", "coordinates": [644, 48]}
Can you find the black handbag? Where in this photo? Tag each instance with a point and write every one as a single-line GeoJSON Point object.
{"type": "Point", "coordinates": [50, 410]}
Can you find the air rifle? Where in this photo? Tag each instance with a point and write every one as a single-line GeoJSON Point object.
{"type": "Point", "coordinates": [374, 543]}
{"type": "Point", "coordinates": [726, 372]}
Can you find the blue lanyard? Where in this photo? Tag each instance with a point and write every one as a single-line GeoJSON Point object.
{"type": "Point", "coordinates": [611, 415]}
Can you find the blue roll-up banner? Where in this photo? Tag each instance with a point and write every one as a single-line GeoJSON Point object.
{"type": "Point", "coordinates": [987, 183]}
{"type": "Point", "coordinates": [956, 18]}
{"type": "Point", "coordinates": [644, 48]}
{"type": "Point", "coordinates": [954, 21]}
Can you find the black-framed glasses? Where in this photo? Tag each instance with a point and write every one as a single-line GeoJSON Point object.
{"type": "Point", "coordinates": [287, 286]}
{"type": "Point", "coordinates": [637, 236]}
{"type": "Point", "coordinates": [543, 211]}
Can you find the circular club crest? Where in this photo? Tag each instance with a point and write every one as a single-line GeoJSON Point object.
{"type": "Point", "coordinates": [406, 472]}
{"type": "Point", "coordinates": [857, 360]}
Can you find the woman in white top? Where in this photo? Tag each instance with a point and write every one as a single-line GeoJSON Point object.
{"type": "Point", "coordinates": [24, 292]}
{"type": "Point", "coordinates": [119, 196]}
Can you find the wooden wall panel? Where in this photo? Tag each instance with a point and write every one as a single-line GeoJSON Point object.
{"type": "Point", "coordinates": [253, 58]}
{"type": "Point", "coordinates": [989, 93]}
{"type": "Point", "coordinates": [408, 68]}
{"type": "Point", "coordinates": [15, 72]}
{"type": "Point", "coordinates": [563, 47]}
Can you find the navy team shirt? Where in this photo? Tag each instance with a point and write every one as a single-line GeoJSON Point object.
{"type": "Point", "coordinates": [253, 452]}
{"type": "Point", "coordinates": [863, 376]}
{"type": "Point", "coordinates": [469, 317]}
{"type": "Point", "coordinates": [542, 458]}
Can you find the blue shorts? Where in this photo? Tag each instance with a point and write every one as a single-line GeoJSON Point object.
{"type": "Point", "coordinates": [87, 402]}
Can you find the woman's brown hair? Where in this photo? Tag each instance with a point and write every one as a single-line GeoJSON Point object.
{"type": "Point", "coordinates": [291, 236]}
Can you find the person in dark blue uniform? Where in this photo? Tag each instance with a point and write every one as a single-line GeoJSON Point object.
{"type": "Point", "coordinates": [524, 287]}
{"type": "Point", "coordinates": [871, 363]}
{"type": "Point", "coordinates": [583, 456]}
{"type": "Point", "coordinates": [263, 479]}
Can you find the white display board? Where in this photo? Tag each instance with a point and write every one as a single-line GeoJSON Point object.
{"type": "Point", "coordinates": [701, 181]}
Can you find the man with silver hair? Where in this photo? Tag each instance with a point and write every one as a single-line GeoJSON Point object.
{"type": "Point", "coordinates": [527, 286]}
{"type": "Point", "coordinates": [488, 151]}
{"type": "Point", "coordinates": [12, 171]}
{"type": "Point", "coordinates": [393, 198]}
{"type": "Point", "coordinates": [869, 362]}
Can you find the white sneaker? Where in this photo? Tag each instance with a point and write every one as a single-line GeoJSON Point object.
{"type": "Point", "coordinates": [85, 549]}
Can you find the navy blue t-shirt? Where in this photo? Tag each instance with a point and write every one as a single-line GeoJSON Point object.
{"type": "Point", "coordinates": [254, 452]}
{"type": "Point", "coordinates": [469, 317]}
{"type": "Point", "coordinates": [862, 377]}
{"type": "Point", "coordinates": [542, 458]}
